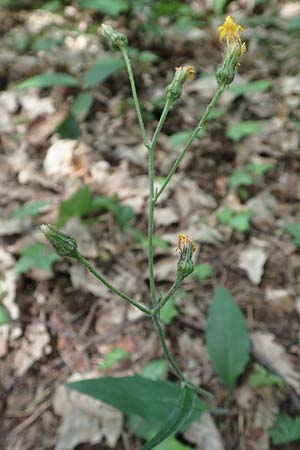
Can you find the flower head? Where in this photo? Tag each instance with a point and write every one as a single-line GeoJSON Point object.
{"type": "Point", "coordinates": [230, 30]}
{"type": "Point", "coordinates": [181, 74]}
{"type": "Point", "coordinates": [186, 248]}
{"type": "Point", "coordinates": [236, 48]}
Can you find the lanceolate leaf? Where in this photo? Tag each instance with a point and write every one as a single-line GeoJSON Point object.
{"type": "Point", "coordinates": [101, 70]}
{"type": "Point", "coordinates": [149, 399]}
{"type": "Point", "coordinates": [179, 417]}
{"type": "Point", "coordinates": [227, 337]}
{"type": "Point", "coordinates": [45, 80]}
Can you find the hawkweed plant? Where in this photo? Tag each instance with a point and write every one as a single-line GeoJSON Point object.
{"type": "Point", "coordinates": [66, 245]}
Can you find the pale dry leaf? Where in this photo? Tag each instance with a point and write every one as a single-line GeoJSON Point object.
{"type": "Point", "coordinates": [35, 106]}
{"type": "Point", "coordinates": [252, 259]}
{"type": "Point", "coordinates": [15, 226]}
{"type": "Point", "coordinates": [274, 357]}
{"type": "Point", "coordinates": [84, 420]}
{"type": "Point", "coordinates": [204, 434]}
{"type": "Point", "coordinates": [280, 299]}
{"type": "Point", "coordinates": [263, 206]}
{"type": "Point", "coordinates": [58, 160]}
{"type": "Point", "coordinates": [34, 345]}
{"type": "Point", "coordinates": [165, 217]}
{"type": "Point", "coordinates": [8, 283]}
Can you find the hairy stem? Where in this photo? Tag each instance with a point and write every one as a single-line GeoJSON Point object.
{"type": "Point", "coordinates": [170, 293]}
{"type": "Point", "coordinates": [172, 362]}
{"type": "Point", "coordinates": [190, 140]}
{"type": "Point", "coordinates": [152, 146]}
{"type": "Point", "coordinates": [135, 96]}
{"type": "Point", "coordinates": [103, 280]}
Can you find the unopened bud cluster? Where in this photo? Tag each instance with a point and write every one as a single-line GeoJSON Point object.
{"type": "Point", "coordinates": [63, 244]}
{"type": "Point", "coordinates": [186, 248]}
{"type": "Point", "coordinates": [181, 74]}
{"type": "Point", "coordinates": [115, 39]}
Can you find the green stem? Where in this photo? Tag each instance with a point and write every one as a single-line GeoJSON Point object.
{"type": "Point", "coordinates": [190, 140]}
{"type": "Point", "coordinates": [172, 362]}
{"type": "Point", "coordinates": [135, 96]}
{"type": "Point", "coordinates": [167, 297]}
{"type": "Point", "coordinates": [103, 280]}
{"type": "Point", "coordinates": [152, 146]}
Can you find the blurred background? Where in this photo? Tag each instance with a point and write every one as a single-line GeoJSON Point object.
{"type": "Point", "coordinates": [71, 155]}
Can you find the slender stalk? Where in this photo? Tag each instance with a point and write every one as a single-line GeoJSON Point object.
{"type": "Point", "coordinates": [103, 280]}
{"type": "Point", "coordinates": [152, 146]}
{"type": "Point", "coordinates": [135, 96]}
{"type": "Point", "coordinates": [191, 139]}
{"type": "Point", "coordinates": [167, 297]}
{"type": "Point", "coordinates": [172, 362]}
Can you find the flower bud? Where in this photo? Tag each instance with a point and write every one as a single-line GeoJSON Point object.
{"type": "Point", "coordinates": [186, 248]}
{"type": "Point", "coordinates": [63, 244]}
{"type": "Point", "coordinates": [115, 39]}
{"type": "Point", "coordinates": [182, 73]}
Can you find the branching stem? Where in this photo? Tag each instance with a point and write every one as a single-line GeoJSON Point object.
{"type": "Point", "coordinates": [191, 139]}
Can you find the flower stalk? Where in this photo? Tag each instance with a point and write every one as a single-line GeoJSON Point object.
{"type": "Point", "coordinates": [66, 246]}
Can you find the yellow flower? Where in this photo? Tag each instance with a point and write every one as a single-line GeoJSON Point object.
{"type": "Point", "coordinates": [231, 31]}
{"type": "Point", "coordinates": [184, 242]}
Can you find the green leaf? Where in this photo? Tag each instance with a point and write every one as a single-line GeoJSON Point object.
{"type": "Point", "coordinates": [36, 256]}
{"type": "Point", "coordinates": [294, 231]}
{"type": "Point", "coordinates": [259, 169]}
{"type": "Point", "coordinates": [51, 6]}
{"type": "Point", "coordinates": [203, 272]}
{"type": "Point", "coordinates": [82, 105]}
{"type": "Point", "coordinates": [112, 358]}
{"type": "Point", "coordinates": [30, 209]}
{"type": "Point", "coordinates": [252, 86]}
{"type": "Point", "coordinates": [227, 337]}
{"type": "Point", "coordinates": [102, 70]}
{"type": "Point", "coordinates": [46, 80]}
{"type": "Point", "coordinates": [4, 316]}
{"type": "Point", "coordinates": [224, 215]}
{"type": "Point", "coordinates": [178, 419]}
{"type": "Point", "coordinates": [111, 8]}
{"type": "Point", "coordinates": [80, 204]}
{"type": "Point", "coordinates": [238, 179]}
{"type": "Point", "coordinates": [151, 400]}
{"type": "Point", "coordinates": [237, 131]}
{"type": "Point", "coordinates": [237, 220]}
{"type": "Point", "coordinates": [173, 444]}
{"type": "Point", "coordinates": [261, 377]}
{"type": "Point", "coordinates": [155, 370]}
{"type": "Point", "coordinates": [168, 312]}
{"type": "Point", "coordinates": [286, 429]}
{"type": "Point", "coordinates": [68, 128]}
{"type": "Point", "coordinates": [219, 6]}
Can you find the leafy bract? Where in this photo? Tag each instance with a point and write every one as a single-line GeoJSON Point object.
{"type": "Point", "coordinates": [46, 80]}
{"type": "Point", "coordinates": [101, 70]}
{"type": "Point", "coordinates": [227, 337]}
{"type": "Point", "coordinates": [151, 400]}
